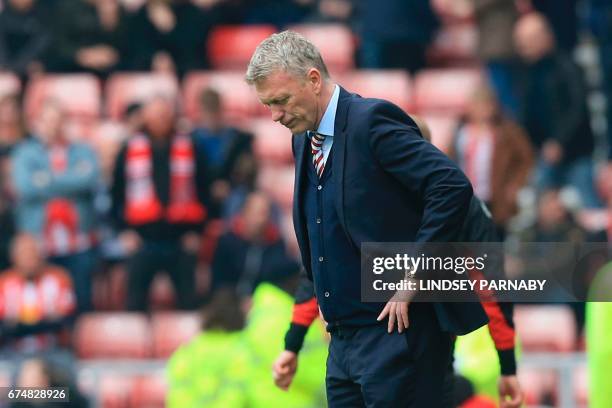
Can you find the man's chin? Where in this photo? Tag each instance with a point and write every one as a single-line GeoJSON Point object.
{"type": "Point", "coordinates": [297, 129]}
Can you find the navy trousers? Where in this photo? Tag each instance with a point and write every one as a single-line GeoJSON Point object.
{"type": "Point", "coordinates": [368, 367]}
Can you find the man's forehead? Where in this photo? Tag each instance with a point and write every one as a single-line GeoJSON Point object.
{"type": "Point", "coordinates": [274, 84]}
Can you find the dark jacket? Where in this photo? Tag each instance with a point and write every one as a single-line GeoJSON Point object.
{"type": "Point", "coordinates": [186, 42]}
{"type": "Point", "coordinates": [80, 27]}
{"type": "Point", "coordinates": [553, 98]}
{"type": "Point", "coordinates": [23, 39]}
{"type": "Point", "coordinates": [495, 21]}
{"type": "Point", "coordinates": [397, 20]}
{"type": "Point", "coordinates": [161, 179]}
{"type": "Point", "coordinates": [478, 227]}
{"type": "Point", "coordinates": [391, 186]}
{"type": "Point", "coordinates": [242, 263]}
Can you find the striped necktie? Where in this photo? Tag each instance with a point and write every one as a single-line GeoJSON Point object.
{"type": "Point", "coordinates": [316, 145]}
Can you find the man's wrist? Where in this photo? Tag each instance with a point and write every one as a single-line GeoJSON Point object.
{"type": "Point", "coordinates": [294, 338]}
{"type": "Point", "coordinates": [507, 361]}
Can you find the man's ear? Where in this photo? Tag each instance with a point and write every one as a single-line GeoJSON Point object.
{"type": "Point", "coordinates": [315, 80]}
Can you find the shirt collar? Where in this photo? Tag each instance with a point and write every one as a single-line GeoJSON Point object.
{"type": "Point", "coordinates": [326, 126]}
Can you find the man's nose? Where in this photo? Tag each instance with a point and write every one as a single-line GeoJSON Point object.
{"type": "Point", "coordinates": [277, 114]}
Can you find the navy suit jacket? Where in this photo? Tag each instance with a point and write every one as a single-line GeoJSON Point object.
{"type": "Point", "coordinates": [393, 186]}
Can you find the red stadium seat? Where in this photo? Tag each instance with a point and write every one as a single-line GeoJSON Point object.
{"type": "Point", "coordinates": [581, 386]}
{"type": "Point", "coordinates": [171, 330]}
{"type": "Point", "coordinates": [335, 42]}
{"type": "Point", "coordinates": [149, 391]}
{"type": "Point", "coordinates": [392, 85]}
{"type": "Point", "coordinates": [272, 141]}
{"type": "Point", "coordinates": [454, 45]}
{"type": "Point", "coordinates": [125, 88]}
{"type": "Point", "coordinates": [113, 335]}
{"type": "Point", "coordinates": [114, 391]}
{"type": "Point", "coordinates": [231, 47]}
{"type": "Point", "coordinates": [445, 90]}
{"type": "Point", "coordinates": [545, 328]}
{"type": "Point", "coordinates": [239, 99]}
{"type": "Point", "coordinates": [537, 385]}
{"type": "Point", "coordinates": [442, 129]}
{"type": "Point", "coordinates": [9, 84]}
{"type": "Point", "coordinates": [79, 94]}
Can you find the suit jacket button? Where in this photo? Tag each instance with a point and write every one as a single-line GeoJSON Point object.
{"type": "Point", "coordinates": [319, 187]}
{"type": "Point", "coordinates": [320, 259]}
{"type": "Point", "coordinates": [326, 294]}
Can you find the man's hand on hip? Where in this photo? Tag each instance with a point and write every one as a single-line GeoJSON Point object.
{"type": "Point", "coordinates": [396, 311]}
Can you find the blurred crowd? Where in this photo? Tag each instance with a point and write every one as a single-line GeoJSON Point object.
{"type": "Point", "coordinates": [181, 197]}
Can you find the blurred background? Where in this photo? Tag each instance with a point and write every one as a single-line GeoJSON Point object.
{"type": "Point", "coordinates": [120, 241]}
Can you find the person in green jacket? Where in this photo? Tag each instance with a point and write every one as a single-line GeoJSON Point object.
{"type": "Point", "coordinates": [598, 332]}
{"type": "Point", "coordinates": [267, 322]}
{"type": "Point", "coordinates": [211, 370]}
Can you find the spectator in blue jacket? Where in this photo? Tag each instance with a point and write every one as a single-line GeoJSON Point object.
{"type": "Point", "coordinates": [55, 182]}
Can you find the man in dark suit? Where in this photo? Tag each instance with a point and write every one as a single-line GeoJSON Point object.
{"type": "Point", "coordinates": [365, 174]}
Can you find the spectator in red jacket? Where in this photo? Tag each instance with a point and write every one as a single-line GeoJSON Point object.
{"type": "Point", "coordinates": [37, 300]}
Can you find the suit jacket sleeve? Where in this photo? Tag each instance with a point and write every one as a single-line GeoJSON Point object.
{"type": "Point", "coordinates": [425, 172]}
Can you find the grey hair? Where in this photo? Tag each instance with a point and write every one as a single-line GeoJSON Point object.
{"type": "Point", "coordinates": [287, 51]}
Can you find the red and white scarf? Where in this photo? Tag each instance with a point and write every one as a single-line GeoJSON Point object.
{"type": "Point", "coordinates": [142, 203]}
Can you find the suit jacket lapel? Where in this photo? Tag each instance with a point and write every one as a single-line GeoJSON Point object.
{"type": "Point", "coordinates": [339, 147]}
{"type": "Point", "coordinates": [300, 143]}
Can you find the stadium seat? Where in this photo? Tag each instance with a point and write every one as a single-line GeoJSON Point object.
{"type": "Point", "coordinates": [392, 85]}
{"type": "Point", "coordinates": [9, 84]}
{"type": "Point", "coordinates": [272, 141]}
{"type": "Point", "coordinates": [125, 88]}
{"type": "Point", "coordinates": [172, 329]}
{"type": "Point", "coordinates": [114, 390]}
{"type": "Point", "coordinates": [149, 391]}
{"type": "Point", "coordinates": [239, 99]}
{"type": "Point", "coordinates": [454, 45]}
{"type": "Point", "coordinates": [231, 47]}
{"type": "Point", "coordinates": [445, 90]}
{"type": "Point", "coordinates": [335, 42]}
{"type": "Point", "coordinates": [113, 335]}
{"type": "Point", "coordinates": [581, 386]}
{"type": "Point", "coordinates": [79, 94]}
{"type": "Point", "coordinates": [534, 323]}
{"type": "Point", "coordinates": [538, 386]}
{"type": "Point", "coordinates": [442, 129]}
